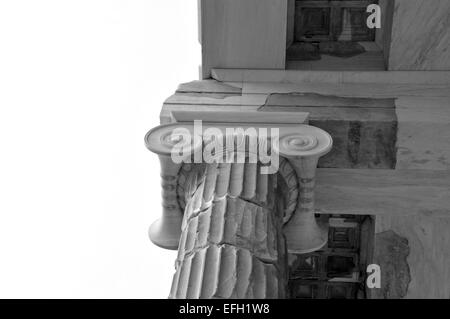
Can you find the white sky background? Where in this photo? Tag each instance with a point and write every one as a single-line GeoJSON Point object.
{"type": "Point", "coordinates": [81, 82]}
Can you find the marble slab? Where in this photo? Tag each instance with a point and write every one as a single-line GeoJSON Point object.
{"type": "Point", "coordinates": [420, 37]}
{"type": "Point", "coordinates": [335, 77]}
{"type": "Point", "coordinates": [350, 90]}
{"type": "Point", "coordinates": [383, 192]}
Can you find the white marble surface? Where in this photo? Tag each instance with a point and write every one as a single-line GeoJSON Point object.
{"type": "Point", "coordinates": [237, 76]}
{"type": "Point", "coordinates": [351, 90]}
{"type": "Point", "coordinates": [420, 35]}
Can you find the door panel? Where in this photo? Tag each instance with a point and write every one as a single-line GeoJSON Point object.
{"type": "Point", "coordinates": [318, 20]}
{"type": "Point", "coordinates": [313, 23]}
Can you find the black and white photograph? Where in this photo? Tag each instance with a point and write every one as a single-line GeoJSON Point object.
{"type": "Point", "coordinates": [246, 150]}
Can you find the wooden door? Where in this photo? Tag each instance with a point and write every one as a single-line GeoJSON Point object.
{"type": "Point", "coordinates": [338, 20]}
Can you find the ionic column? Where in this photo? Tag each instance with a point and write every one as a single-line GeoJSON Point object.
{"type": "Point", "coordinates": [303, 146]}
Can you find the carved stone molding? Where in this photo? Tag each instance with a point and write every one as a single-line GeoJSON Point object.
{"type": "Point", "coordinates": [303, 147]}
{"type": "Point", "coordinates": [166, 231]}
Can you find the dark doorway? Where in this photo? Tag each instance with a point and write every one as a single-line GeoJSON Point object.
{"type": "Point", "coordinates": [332, 35]}
{"type": "Point", "coordinates": [318, 20]}
{"type": "Point", "coordinates": [338, 270]}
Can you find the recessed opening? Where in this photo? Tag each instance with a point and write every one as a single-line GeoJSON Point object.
{"type": "Point", "coordinates": [333, 35]}
{"type": "Point", "coordinates": [338, 270]}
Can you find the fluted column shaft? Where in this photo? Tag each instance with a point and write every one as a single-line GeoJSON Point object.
{"type": "Point", "coordinates": [231, 244]}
